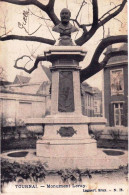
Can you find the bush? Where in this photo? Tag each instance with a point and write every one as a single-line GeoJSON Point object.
{"type": "Point", "coordinates": [11, 171]}
{"type": "Point", "coordinates": [73, 175]}
{"type": "Point", "coordinates": [109, 143]}
{"type": "Point", "coordinates": [117, 133]}
{"type": "Point", "coordinates": [113, 133]}
{"type": "Point", "coordinates": [97, 134]}
{"type": "Point", "coordinates": [14, 144]}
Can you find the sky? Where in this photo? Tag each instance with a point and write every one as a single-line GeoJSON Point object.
{"type": "Point", "coordinates": [12, 14]}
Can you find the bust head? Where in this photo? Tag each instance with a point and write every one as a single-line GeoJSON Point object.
{"type": "Point", "coordinates": [65, 15]}
{"type": "Point", "coordinates": [65, 28]}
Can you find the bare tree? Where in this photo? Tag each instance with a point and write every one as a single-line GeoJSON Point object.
{"type": "Point", "coordinates": [88, 30]}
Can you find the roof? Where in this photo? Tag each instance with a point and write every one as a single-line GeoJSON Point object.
{"type": "Point", "coordinates": [19, 93]}
{"type": "Point", "coordinates": [97, 93]}
{"type": "Point", "coordinates": [31, 88]}
{"type": "Point", "coordinates": [19, 79]}
{"type": "Point", "coordinates": [2, 83]}
{"type": "Point", "coordinates": [118, 58]}
{"type": "Point", "coordinates": [96, 90]}
{"type": "Point", "coordinates": [47, 72]}
{"type": "Point", "coordinates": [85, 87]}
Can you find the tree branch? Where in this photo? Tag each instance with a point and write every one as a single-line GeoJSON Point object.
{"type": "Point", "coordinates": [40, 17]}
{"type": "Point", "coordinates": [97, 23]}
{"type": "Point", "coordinates": [50, 4]}
{"type": "Point", "coordinates": [95, 66]}
{"type": "Point", "coordinates": [95, 12]}
{"type": "Point", "coordinates": [108, 12]}
{"type": "Point", "coordinates": [50, 12]}
{"type": "Point", "coordinates": [83, 3]}
{"type": "Point", "coordinates": [26, 2]}
{"type": "Point", "coordinates": [115, 13]}
{"type": "Point", "coordinates": [87, 35]}
{"type": "Point", "coordinates": [38, 59]}
{"type": "Point", "coordinates": [28, 38]}
{"type": "Point", "coordinates": [21, 26]}
{"type": "Point", "coordinates": [49, 8]}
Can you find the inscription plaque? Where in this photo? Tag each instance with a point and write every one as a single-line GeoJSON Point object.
{"type": "Point", "coordinates": [66, 131]}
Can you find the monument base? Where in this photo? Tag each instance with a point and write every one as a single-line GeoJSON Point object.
{"type": "Point", "coordinates": [67, 137]}
{"type": "Point", "coordinates": [67, 148]}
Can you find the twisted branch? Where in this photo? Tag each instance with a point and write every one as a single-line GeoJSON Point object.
{"type": "Point", "coordinates": [94, 65]}
{"type": "Point", "coordinates": [38, 59]}
{"type": "Point", "coordinates": [97, 23]}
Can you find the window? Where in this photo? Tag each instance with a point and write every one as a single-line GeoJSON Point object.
{"type": "Point", "coordinates": [118, 114]}
{"type": "Point", "coordinates": [88, 101]}
{"type": "Point", "coordinates": [96, 109]}
{"type": "Point", "coordinates": [85, 100]}
{"type": "Point", "coordinates": [117, 81]}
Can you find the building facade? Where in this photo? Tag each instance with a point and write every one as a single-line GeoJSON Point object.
{"type": "Point", "coordinates": [97, 102]}
{"type": "Point", "coordinates": [87, 97]}
{"type": "Point", "coordinates": [31, 98]}
{"type": "Point", "coordinates": [16, 107]}
{"type": "Point", "coordinates": [24, 98]}
{"type": "Point", "coordinates": [116, 90]}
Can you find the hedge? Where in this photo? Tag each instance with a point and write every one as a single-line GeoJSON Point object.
{"type": "Point", "coordinates": [113, 133]}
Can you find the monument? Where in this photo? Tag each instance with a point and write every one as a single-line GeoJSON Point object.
{"type": "Point", "coordinates": [66, 129]}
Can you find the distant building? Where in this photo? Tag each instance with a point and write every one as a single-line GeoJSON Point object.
{"type": "Point", "coordinates": [30, 97]}
{"type": "Point", "coordinates": [19, 79]}
{"type": "Point", "coordinates": [16, 106]}
{"type": "Point", "coordinates": [87, 100]}
{"type": "Point", "coordinates": [4, 83]}
{"type": "Point", "coordinates": [97, 102]}
{"type": "Point", "coordinates": [25, 98]}
{"type": "Point", "coordinates": [116, 89]}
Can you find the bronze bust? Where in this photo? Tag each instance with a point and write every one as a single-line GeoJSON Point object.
{"type": "Point", "coordinates": [65, 28]}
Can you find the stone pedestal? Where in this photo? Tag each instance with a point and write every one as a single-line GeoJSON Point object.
{"type": "Point", "coordinates": [67, 136]}
{"type": "Point", "coordinates": [65, 96]}
{"type": "Point", "coordinates": [66, 129]}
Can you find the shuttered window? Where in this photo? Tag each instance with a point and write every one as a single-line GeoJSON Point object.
{"type": "Point", "coordinates": [118, 114]}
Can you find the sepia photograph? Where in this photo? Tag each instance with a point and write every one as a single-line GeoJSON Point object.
{"type": "Point", "coordinates": [64, 97]}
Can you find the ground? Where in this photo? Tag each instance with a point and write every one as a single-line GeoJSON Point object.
{"type": "Point", "coordinates": [110, 173]}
